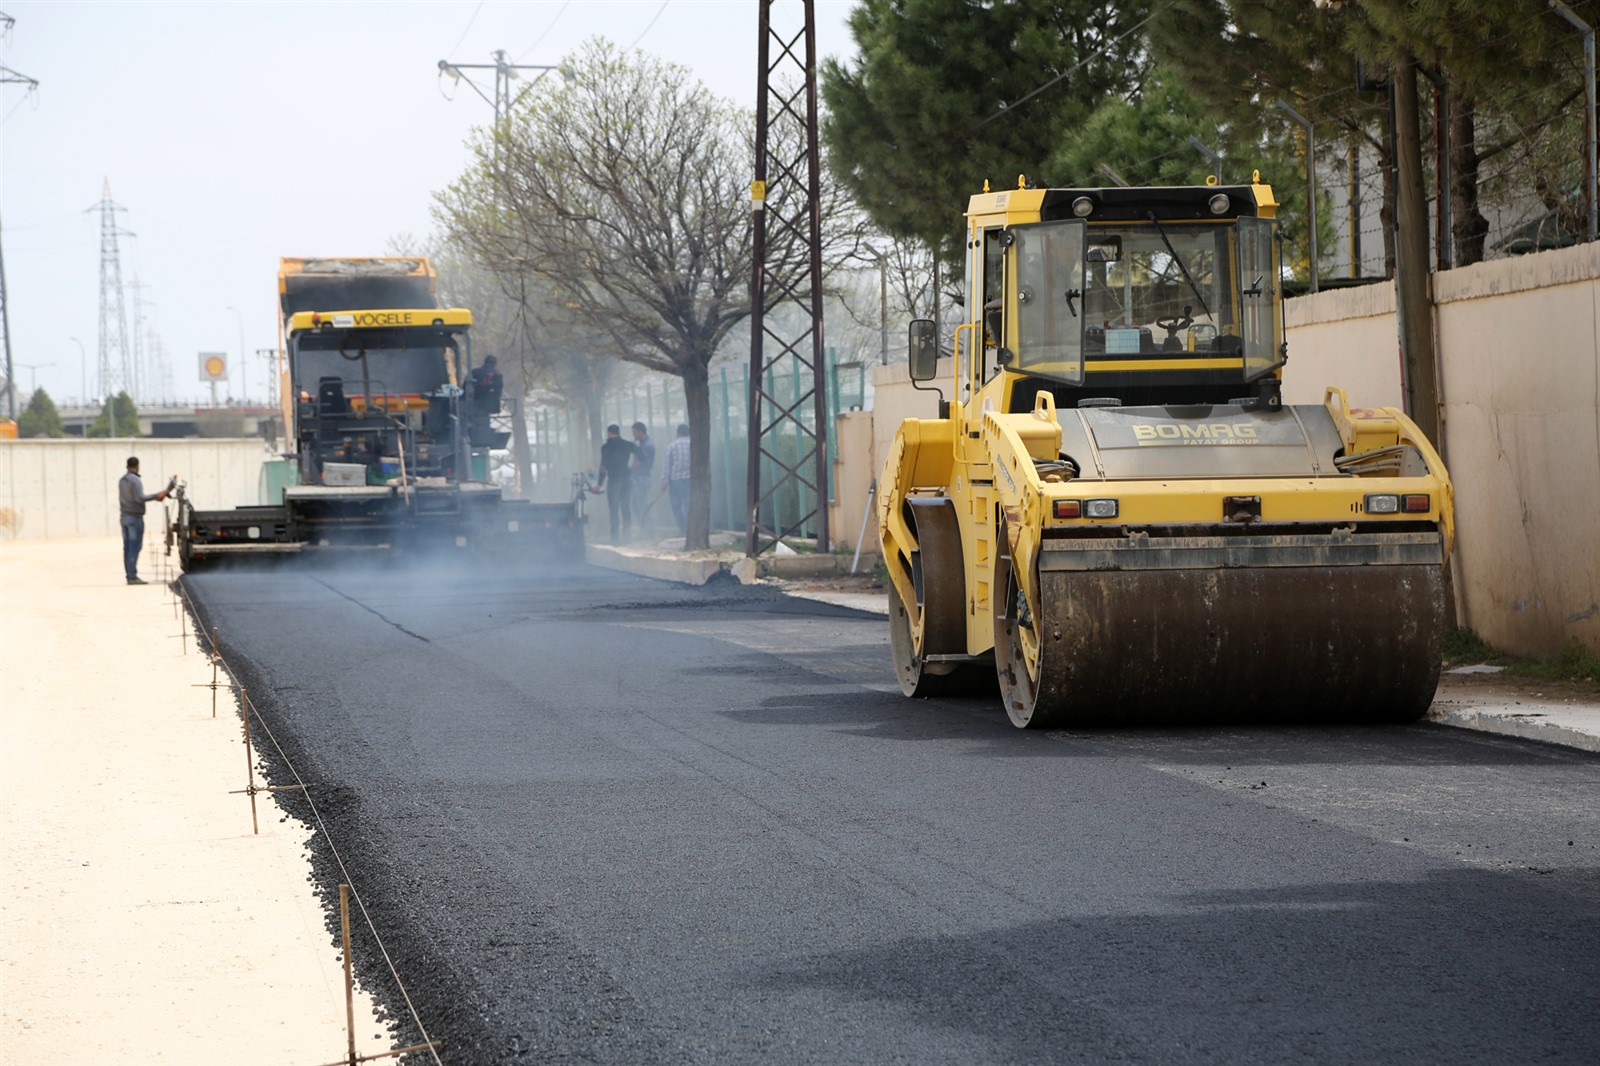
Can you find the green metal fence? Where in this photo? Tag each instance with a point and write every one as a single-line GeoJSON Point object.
{"type": "Point", "coordinates": [658, 403]}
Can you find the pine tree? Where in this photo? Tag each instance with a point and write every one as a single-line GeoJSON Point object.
{"type": "Point", "coordinates": [937, 101]}
{"type": "Point", "coordinates": [40, 418]}
{"type": "Point", "coordinates": [126, 422]}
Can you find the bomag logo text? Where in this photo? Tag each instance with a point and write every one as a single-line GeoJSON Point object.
{"type": "Point", "coordinates": [384, 318]}
{"type": "Point", "coordinates": [1200, 433]}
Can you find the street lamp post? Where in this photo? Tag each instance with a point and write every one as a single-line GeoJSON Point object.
{"type": "Point", "coordinates": [83, 366]}
{"type": "Point", "coordinates": [244, 376]}
{"type": "Point", "coordinates": [1204, 149]}
{"type": "Point", "coordinates": [883, 306]}
{"type": "Point", "coordinates": [33, 376]}
{"type": "Point", "coordinates": [1311, 182]}
{"type": "Point", "coordinates": [1591, 154]}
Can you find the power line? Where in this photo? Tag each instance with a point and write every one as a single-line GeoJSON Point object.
{"type": "Point", "coordinates": [1006, 109]}
{"type": "Point", "coordinates": [552, 25]}
{"type": "Point", "coordinates": [466, 31]}
{"type": "Point", "coordinates": [650, 24]}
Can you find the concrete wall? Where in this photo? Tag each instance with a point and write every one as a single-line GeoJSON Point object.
{"type": "Point", "coordinates": [50, 489]}
{"type": "Point", "coordinates": [1344, 337]}
{"type": "Point", "coordinates": [1519, 369]}
{"type": "Point", "coordinates": [852, 474]}
{"type": "Point", "coordinates": [895, 399]}
{"type": "Point", "coordinates": [1520, 381]}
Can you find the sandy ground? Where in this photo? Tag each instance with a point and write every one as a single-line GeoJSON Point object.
{"type": "Point", "coordinates": [140, 920]}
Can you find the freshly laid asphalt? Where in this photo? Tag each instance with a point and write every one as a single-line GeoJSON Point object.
{"type": "Point", "coordinates": [603, 819]}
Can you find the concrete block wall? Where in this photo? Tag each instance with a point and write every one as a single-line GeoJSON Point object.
{"type": "Point", "coordinates": [852, 475]}
{"type": "Point", "coordinates": [68, 488]}
{"type": "Point", "coordinates": [1520, 381]}
{"type": "Point", "coordinates": [1348, 338]}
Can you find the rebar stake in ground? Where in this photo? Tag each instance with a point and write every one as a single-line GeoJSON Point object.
{"type": "Point", "coordinates": [215, 658]}
{"type": "Point", "coordinates": [249, 761]}
{"type": "Point", "coordinates": [349, 982]}
{"type": "Point", "coordinates": [351, 1058]}
{"type": "Point", "coordinates": [250, 787]}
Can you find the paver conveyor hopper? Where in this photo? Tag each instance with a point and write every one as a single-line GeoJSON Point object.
{"type": "Point", "coordinates": [1115, 511]}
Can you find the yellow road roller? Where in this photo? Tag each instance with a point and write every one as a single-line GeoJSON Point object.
{"type": "Point", "coordinates": [1115, 512]}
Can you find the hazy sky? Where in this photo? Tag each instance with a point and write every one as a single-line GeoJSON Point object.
{"type": "Point", "coordinates": [236, 133]}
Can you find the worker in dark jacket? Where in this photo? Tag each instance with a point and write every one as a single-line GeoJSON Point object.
{"type": "Point", "coordinates": [485, 385]}
{"type": "Point", "coordinates": [615, 456]}
{"type": "Point", "coordinates": [131, 499]}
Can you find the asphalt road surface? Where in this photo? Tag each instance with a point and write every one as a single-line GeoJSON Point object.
{"type": "Point", "coordinates": [604, 819]}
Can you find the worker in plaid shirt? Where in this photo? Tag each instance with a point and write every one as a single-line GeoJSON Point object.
{"type": "Point", "coordinates": [675, 478]}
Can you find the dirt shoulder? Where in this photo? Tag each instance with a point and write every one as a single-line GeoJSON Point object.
{"type": "Point", "coordinates": [140, 919]}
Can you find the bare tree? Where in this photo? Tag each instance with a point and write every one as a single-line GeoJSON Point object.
{"type": "Point", "coordinates": [543, 348]}
{"type": "Point", "coordinates": [897, 271]}
{"type": "Point", "coordinates": [627, 192]}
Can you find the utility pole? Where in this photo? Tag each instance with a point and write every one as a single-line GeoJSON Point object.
{"type": "Point", "coordinates": [9, 77]}
{"type": "Point", "coordinates": [5, 328]}
{"type": "Point", "coordinates": [113, 310]}
{"type": "Point", "coordinates": [136, 375]}
{"type": "Point", "coordinates": [1413, 295]}
{"type": "Point", "coordinates": [786, 187]}
{"type": "Point", "coordinates": [270, 357]}
{"type": "Point", "coordinates": [504, 74]}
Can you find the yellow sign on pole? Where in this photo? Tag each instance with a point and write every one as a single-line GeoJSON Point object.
{"type": "Point", "coordinates": [213, 366]}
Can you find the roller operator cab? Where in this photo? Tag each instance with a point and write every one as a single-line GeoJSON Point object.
{"type": "Point", "coordinates": [1116, 514]}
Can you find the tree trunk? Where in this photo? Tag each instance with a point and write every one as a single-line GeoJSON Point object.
{"type": "Point", "coordinates": [1469, 229]}
{"type": "Point", "coordinates": [520, 450]}
{"type": "Point", "coordinates": [1355, 207]}
{"type": "Point", "coordinates": [697, 398]}
{"type": "Point", "coordinates": [594, 424]}
{"type": "Point", "coordinates": [1412, 282]}
{"type": "Point", "coordinates": [1386, 211]}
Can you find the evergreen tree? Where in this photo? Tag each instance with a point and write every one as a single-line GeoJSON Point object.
{"type": "Point", "coordinates": [126, 421]}
{"type": "Point", "coordinates": [40, 418]}
{"type": "Point", "coordinates": [1512, 69]}
{"type": "Point", "coordinates": [1515, 78]}
{"type": "Point", "coordinates": [1143, 138]}
{"type": "Point", "coordinates": [939, 100]}
{"type": "Point", "coordinates": [1239, 57]}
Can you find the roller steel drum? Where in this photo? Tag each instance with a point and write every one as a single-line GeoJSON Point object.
{"type": "Point", "coordinates": [1280, 630]}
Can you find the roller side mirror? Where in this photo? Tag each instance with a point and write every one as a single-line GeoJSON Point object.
{"type": "Point", "coordinates": [923, 349]}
